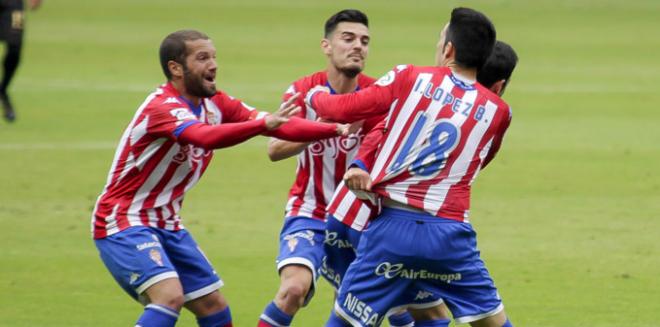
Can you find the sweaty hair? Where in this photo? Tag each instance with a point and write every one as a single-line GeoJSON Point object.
{"type": "Point", "coordinates": [472, 35]}
{"type": "Point", "coordinates": [499, 65]}
{"type": "Point", "coordinates": [173, 47]}
{"type": "Point", "coordinates": [346, 15]}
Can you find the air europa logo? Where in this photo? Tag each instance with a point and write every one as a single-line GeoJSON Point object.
{"type": "Point", "coordinates": [390, 270]}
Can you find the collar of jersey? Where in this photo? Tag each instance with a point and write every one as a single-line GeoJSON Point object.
{"type": "Point", "coordinates": [462, 82]}
{"type": "Point", "coordinates": [197, 110]}
{"type": "Point", "coordinates": [332, 91]}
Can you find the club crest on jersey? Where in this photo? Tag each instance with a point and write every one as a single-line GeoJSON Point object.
{"type": "Point", "coordinates": [212, 118]}
{"type": "Point", "coordinates": [182, 114]}
{"type": "Point", "coordinates": [156, 257]}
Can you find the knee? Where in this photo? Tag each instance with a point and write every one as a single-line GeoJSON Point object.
{"type": "Point", "coordinates": [295, 293]}
{"type": "Point", "coordinates": [291, 297]}
{"type": "Point", "coordinates": [175, 301]}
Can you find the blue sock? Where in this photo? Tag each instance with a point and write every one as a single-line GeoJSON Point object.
{"type": "Point", "coordinates": [433, 323]}
{"type": "Point", "coordinates": [218, 319]}
{"type": "Point", "coordinates": [507, 323]}
{"type": "Point", "coordinates": [335, 321]}
{"type": "Point", "coordinates": [274, 316]}
{"type": "Point", "coordinates": [155, 315]}
{"type": "Point", "coordinates": [403, 319]}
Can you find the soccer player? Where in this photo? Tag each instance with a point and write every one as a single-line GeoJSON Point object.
{"type": "Point", "coordinates": [348, 215]}
{"type": "Point", "coordinates": [441, 128]}
{"type": "Point", "coordinates": [321, 166]}
{"type": "Point", "coordinates": [162, 154]}
{"type": "Point", "coordinates": [12, 20]}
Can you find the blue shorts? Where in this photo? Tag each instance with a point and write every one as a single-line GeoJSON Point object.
{"type": "Point", "coordinates": [408, 259]}
{"type": "Point", "coordinates": [340, 243]}
{"type": "Point", "coordinates": [301, 243]}
{"type": "Point", "coordinates": [139, 257]}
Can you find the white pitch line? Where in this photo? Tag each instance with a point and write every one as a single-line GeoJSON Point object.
{"type": "Point", "coordinates": [59, 146]}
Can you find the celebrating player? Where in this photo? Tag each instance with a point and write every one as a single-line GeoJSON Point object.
{"type": "Point", "coordinates": [321, 166]}
{"type": "Point", "coordinates": [441, 129]}
{"type": "Point", "coordinates": [348, 215]}
{"type": "Point", "coordinates": [162, 154]}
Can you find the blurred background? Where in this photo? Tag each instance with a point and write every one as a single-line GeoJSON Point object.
{"type": "Point", "coordinates": [568, 216]}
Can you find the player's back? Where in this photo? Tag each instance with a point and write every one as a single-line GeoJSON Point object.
{"type": "Point", "coordinates": [438, 132]}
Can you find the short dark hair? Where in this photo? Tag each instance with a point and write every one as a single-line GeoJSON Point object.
{"type": "Point", "coordinates": [472, 35]}
{"type": "Point", "coordinates": [174, 48]}
{"type": "Point", "coordinates": [346, 15]}
{"type": "Point", "coordinates": [499, 66]}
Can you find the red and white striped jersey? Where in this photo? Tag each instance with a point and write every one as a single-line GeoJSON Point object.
{"type": "Point", "coordinates": [438, 132]}
{"type": "Point", "coordinates": [351, 210]}
{"type": "Point", "coordinates": [345, 206]}
{"type": "Point", "coordinates": [322, 164]}
{"type": "Point", "coordinates": [151, 172]}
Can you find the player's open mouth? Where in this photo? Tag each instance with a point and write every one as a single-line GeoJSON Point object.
{"type": "Point", "coordinates": [210, 79]}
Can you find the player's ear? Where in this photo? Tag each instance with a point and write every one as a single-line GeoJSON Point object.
{"type": "Point", "coordinates": [448, 51]}
{"type": "Point", "coordinates": [176, 69]}
{"type": "Point", "coordinates": [325, 46]}
{"type": "Point", "coordinates": [498, 87]}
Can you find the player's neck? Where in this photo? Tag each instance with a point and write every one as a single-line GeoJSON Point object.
{"type": "Point", "coordinates": [340, 82]}
{"type": "Point", "coordinates": [467, 74]}
{"type": "Point", "coordinates": [178, 85]}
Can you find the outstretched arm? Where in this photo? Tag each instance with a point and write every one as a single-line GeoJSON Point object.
{"type": "Point", "coordinates": [347, 108]}
{"type": "Point", "coordinates": [302, 130]}
{"type": "Point", "coordinates": [221, 136]}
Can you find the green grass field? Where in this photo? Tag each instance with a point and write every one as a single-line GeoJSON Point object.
{"type": "Point", "coordinates": [568, 216]}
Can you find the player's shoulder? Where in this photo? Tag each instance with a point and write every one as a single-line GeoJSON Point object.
{"type": "Point", "coordinates": [164, 98]}
{"type": "Point", "coordinates": [397, 74]}
{"type": "Point", "coordinates": [221, 97]}
{"type": "Point", "coordinates": [494, 99]}
{"type": "Point", "coordinates": [309, 81]}
{"type": "Point", "coordinates": [491, 96]}
{"type": "Point", "coordinates": [365, 80]}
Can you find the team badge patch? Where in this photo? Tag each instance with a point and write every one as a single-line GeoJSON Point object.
{"type": "Point", "coordinates": [292, 243]}
{"type": "Point", "coordinates": [156, 257]}
{"type": "Point", "coordinates": [386, 80]}
{"type": "Point", "coordinates": [293, 239]}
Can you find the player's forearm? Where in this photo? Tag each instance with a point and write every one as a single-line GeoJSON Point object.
{"type": "Point", "coordinates": [367, 152]}
{"type": "Point", "coordinates": [279, 149]}
{"type": "Point", "coordinates": [347, 108]}
{"type": "Point", "coordinates": [303, 130]}
{"type": "Point", "coordinates": [223, 135]}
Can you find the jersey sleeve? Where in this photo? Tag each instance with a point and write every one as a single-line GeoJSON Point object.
{"type": "Point", "coordinates": [373, 100]}
{"type": "Point", "coordinates": [366, 155]}
{"type": "Point", "coordinates": [302, 130]}
{"type": "Point", "coordinates": [291, 91]}
{"type": "Point", "coordinates": [168, 121]}
{"type": "Point", "coordinates": [234, 110]}
{"type": "Point", "coordinates": [498, 138]}
{"type": "Point", "coordinates": [223, 135]}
